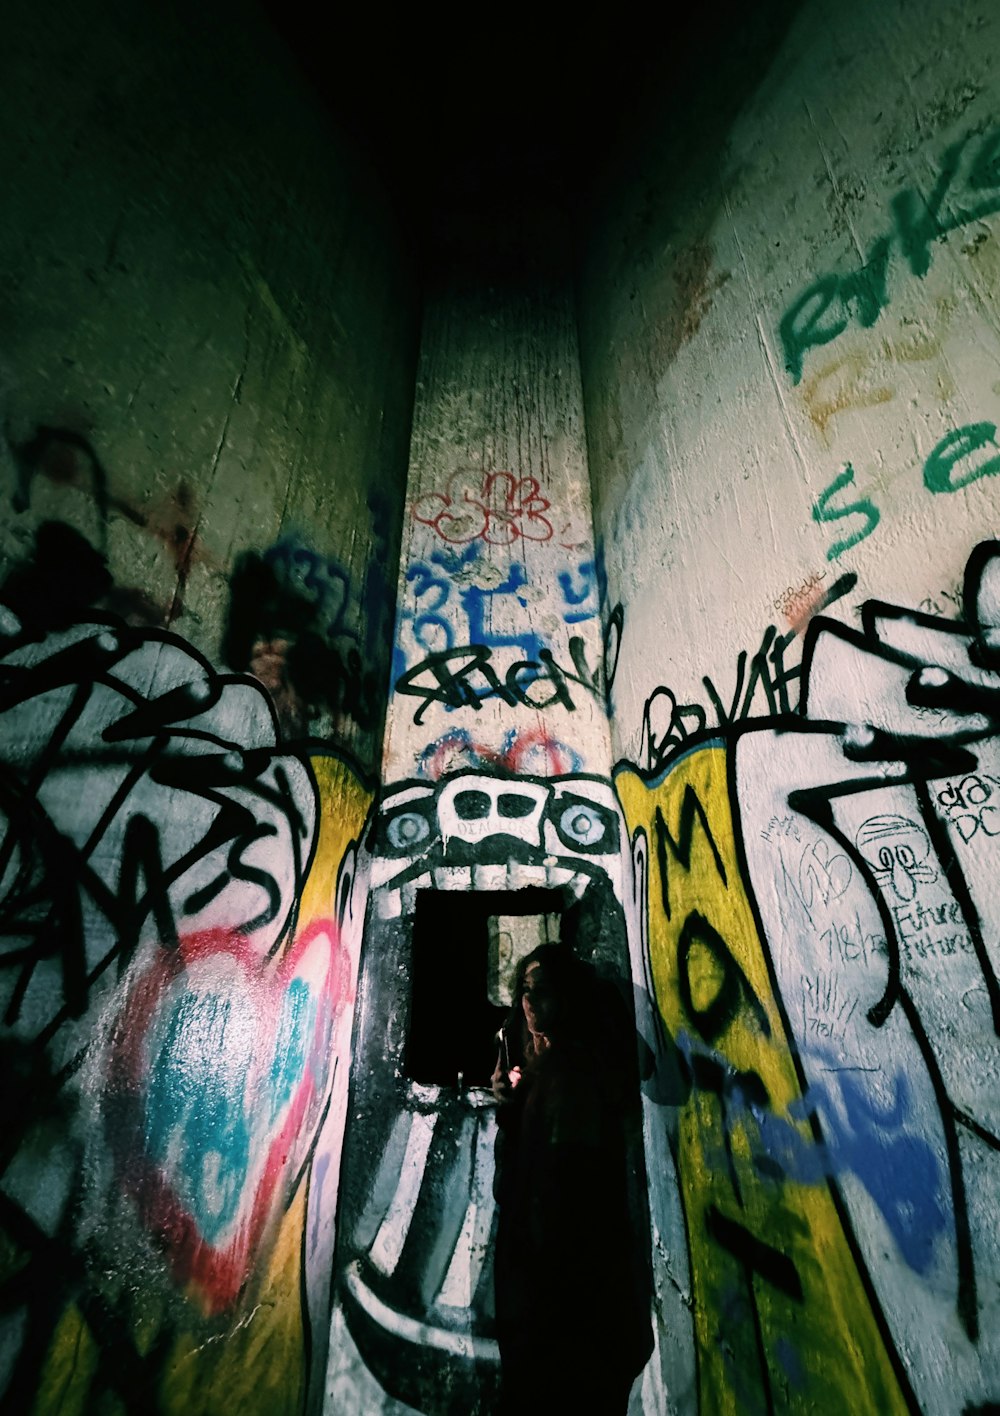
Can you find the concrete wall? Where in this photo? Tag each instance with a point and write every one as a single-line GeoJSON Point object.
{"type": "Point", "coordinates": [207, 351]}
{"type": "Point", "coordinates": [498, 655]}
{"type": "Point", "coordinates": [495, 784]}
{"type": "Point", "coordinates": [207, 373]}
{"type": "Point", "coordinates": [790, 346]}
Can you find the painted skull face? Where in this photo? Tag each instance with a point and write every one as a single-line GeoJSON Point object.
{"type": "Point", "coordinates": [897, 850]}
{"type": "Point", "coordinates": [414, 1260]}
{"type": "Point", "coordinates": [474, 831]}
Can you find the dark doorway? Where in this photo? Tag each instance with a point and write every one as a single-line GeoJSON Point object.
{"type": "Point", "coordinates": [466, 947]}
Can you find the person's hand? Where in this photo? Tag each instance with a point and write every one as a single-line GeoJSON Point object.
{"type": "Point", "coordinates": [503, 1083]}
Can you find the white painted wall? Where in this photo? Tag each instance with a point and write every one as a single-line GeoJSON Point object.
{"type": "Point", "coordinates": [791, 357]}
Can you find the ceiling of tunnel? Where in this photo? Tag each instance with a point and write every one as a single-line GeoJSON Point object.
{"type": "Point", "coordinates": [475, 115]}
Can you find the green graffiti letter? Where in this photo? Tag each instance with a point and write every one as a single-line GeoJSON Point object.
{"type": "Point", "coordinates": [801, 326]}
{"type": "Point", "coordinates": [984, 174]}
{"type": "Point", "coordinates": [953, 448]}
{"type": "Point", "coordinates": [919, 219]}
{"type": "Point", "coordinates": [823, 511]}
{"type": "Point", "coordinates": [865, 288]}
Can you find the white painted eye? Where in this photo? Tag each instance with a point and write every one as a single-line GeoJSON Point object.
{"type": "Point", "coordinates": [582, 824]}
{"type": "Point", "coordinates": [407, 829]}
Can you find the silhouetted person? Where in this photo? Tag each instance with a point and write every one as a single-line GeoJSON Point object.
{"type": "Point", "coordinates": [571, 1262]}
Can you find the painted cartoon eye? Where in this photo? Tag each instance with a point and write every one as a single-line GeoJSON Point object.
{"type": "Point", "coordinates": [407, 830]}
{"type": "Point", "coordinates": [583, 825]}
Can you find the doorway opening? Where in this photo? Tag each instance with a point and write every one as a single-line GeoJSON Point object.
{"type": "Point", "coordinates": [466, 948]}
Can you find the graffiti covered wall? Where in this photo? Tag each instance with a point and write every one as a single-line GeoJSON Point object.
{"type": "Point", "coordinates": [246, 1161]}
{"type": "Point", "coordinates": [206, 374]}
{"type": "Point", "coordinates": [815, 896]}
{"type": "Point", "coordinates": [498, 655]}
{"type": "Point", "coordinates": [496, 801]}
{"type": "Point", "coordinates": [806, 366]}
{"type": "Point", "coordinates": [181, 927]}
{"type": "Point", "coordinates": [789, 331]}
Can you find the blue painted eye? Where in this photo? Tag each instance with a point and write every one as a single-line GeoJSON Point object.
{"type": "Point", "coordinates": [582, 824]}
{"type": "Point", "coordinates": [407, 830]}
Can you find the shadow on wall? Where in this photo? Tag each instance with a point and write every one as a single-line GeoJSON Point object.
{"type": "Point", "coordinates": [67, 459]}
{"type": "Point", "coordinates": [294, 620]}
{"type": "Point", "coordinates": [286, 626]}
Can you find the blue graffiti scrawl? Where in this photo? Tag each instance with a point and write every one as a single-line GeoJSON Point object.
{"type": "Point", "coordinates": [451, 619]}
{"type": "Point", "coordinates": [447, 606]}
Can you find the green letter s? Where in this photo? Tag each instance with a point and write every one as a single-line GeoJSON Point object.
{"type": "Point", "coordinates": [823, 511]}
